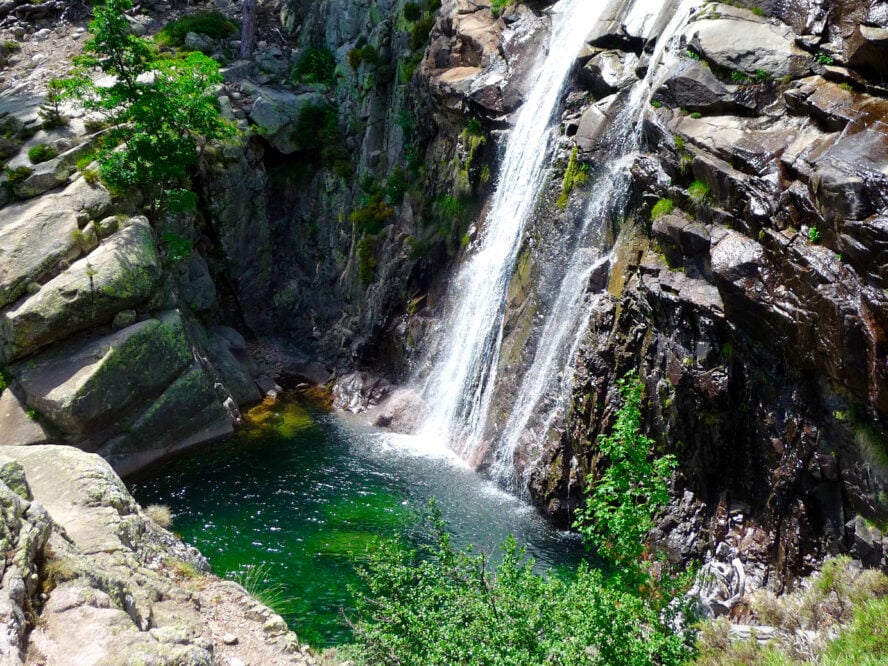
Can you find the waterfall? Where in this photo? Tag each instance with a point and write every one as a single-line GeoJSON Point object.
{"type": "Point", "coordinates": [460, 387]}
{"type": "Point", "coordinates": [546, 385]}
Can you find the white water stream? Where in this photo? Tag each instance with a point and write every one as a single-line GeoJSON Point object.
{"type": "Point", "coordinates": [461, 384]}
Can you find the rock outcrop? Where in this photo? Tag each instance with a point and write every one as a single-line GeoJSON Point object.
{"type": "Point", "coordinates": [89, 578]}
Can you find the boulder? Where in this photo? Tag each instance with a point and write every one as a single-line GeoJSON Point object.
{"type": "Point", "coordinates": [188, 412]}
{"type": "Point", "coordinates": [867, 50]}
{"type": "Point", "coordinates": [609, 71]}
{"type": "Point", "coordinates": [693, 86]}
{"type": "Point", "coordinates": [17, 428]}
{"type": "Point", "coordinates": [628, 25]}
{"type": "Point", "coordinates": [89, 385]}
{"type": "Point", "coordinates": [277, 113]}
{"type": "Point", "coordinates": [196, 286]}
{"type": "Point", "coordinates": [120, 274]}
{"type": "Point", "coordinates": [741, 41]}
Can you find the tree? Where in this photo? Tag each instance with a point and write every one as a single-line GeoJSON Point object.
{"type": "Point", "coordinates": [248, 31]}
{"type": "Point", "coordinates": [162, 111]}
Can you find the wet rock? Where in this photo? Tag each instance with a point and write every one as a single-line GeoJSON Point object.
{"type": "Point", "coordinates": [609, 71]}
{"type": "Point", "coordinates": [402, 412]}
{"type": "Point", "coordinates": [867, 49]}
{"type": "Point", "coordinates": [694, 87]}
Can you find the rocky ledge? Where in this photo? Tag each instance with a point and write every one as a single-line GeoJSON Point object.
{"type": "Point", "coordinates": [78, 551]}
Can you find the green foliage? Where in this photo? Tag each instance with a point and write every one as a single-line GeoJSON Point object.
{"type": "Point", "coordinates": [18, 174]}
{"type": "Point", "coordinates": [758, 11]}
{"type": "Point", "coordinates": [419, 33]}
{"type": "Point", "coordinates": [824, 58]}
{"type": "Point", "coordinates": [693, 55]}
{"type": "Point", "coordinates": [51, 109]}
{"type": "Point", "coordinates": [412, 12]}
{"type": "Point", "coordinates": [473, 127]}
{"type": "Point", "coordinates": [865, 641]}
{"type": "Point", "coordinates": [371, 217]}
{"type": "Point", "coordinates": [5, 379]}
{"type": "Point", "coordinates": [813, 235]}
{"type": "Point", "coordinates": [366, 261]}
{"type": "Point", "coordinates": [698, 192]}
{"type": "Point", "coordinates": [177, 247]}
{"type": "Point", "coordinates": [440, 606]}
{"type": "Point", "coordinates": [696, 115]}
{"type": "Point", "coordinates": [212, 24]}
{"type": "Point", "coordinates": [497, 6]}
{"type": "Point", "coordinates": [366, 54]}
{"type": "Point", "coordinates": [661, 208]}
{"type": "Point", "coordinates": [258, 581]}
{"type": "Point", "coordinates": [181, 200]}
{"type": "Point", "coordinates": [573, 175]}
{"type": "Point", "coordinates": [739, 77]}
{"type": "Point", "coordinates": [620, 506]}
{"type": "Point", "coordinates": [42, 153]}
{"type": "Point", "coordinates": [656, 103]}
{"type": "Point", "coordinates": [762, 75]}
{"type": "Point", "coordinates": [161, 111]}
{"type": "Point", "coordinates": [315, 66]}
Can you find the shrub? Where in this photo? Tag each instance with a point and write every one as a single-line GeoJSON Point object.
{"type": "Point", "coordinates": [438, 605]}
{"type": "Point", "coordinates": [371, 218]}
{"type": "Point", "coordinates": [739, 77]}
{"type": "Point", "coordinates": [212, 24]}
{"type": "Point", "coordinates": [661, 208]}
{"type": "Point", "coordinates": [160, 123]}
{"type": "Point", "coordinates": [366, 261]}
{"type": "Point", "coordinates": [620, 505]}
{"type": "Point", "coordinates": [18, 174]}
{"type": "Point", "coordinates": [178, 247]}
{"type": "Point", "coordinates": [315, 66]}
{"type": "Point", "coordinates": [573, 175]}
{"type": "Point", "coordinates": [865, 641]}
{"type": "Point", "coordinates": [160, 514]}
{"type": "Point", "coordinates": [412, 12]}
{"type": "Point", "coordinates": [42, 153]}
{"type": "Point", "coordinates": [762, 75]}
{"type": "Point", "coordinates": [824, 58]}
{"type": "Point", "coordinates": [419, 33]}
{"type": "Point", "coordinates": [367, 54]}
{"type": "Point", "coordinates": [497, 6]}
{"type": "Point", "coordinates": [698, 192]}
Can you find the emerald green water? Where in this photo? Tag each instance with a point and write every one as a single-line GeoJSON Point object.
{"type": "Point", "coordinates": [305, 498]}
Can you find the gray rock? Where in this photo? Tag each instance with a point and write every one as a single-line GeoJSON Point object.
{"type": "Point", "coordinates": [694, 87]}
{"type": "Point", "coordinates": [197, 42]}
{"type": "Point", "coordinates": [85, 386]}
{"type": "Point", "coordinates": [741, 41]}
{"type": "Point", "coordinates": [17, 428]}
{"type": "Point", "coordinates": [277, 114]}
{"type": "Point", "coordinates": [123, 319]}
{"type": "Point", "coordinates": [609, 71]}
{"type": "Point", "coordinates": [196, 286]}
{"type": "Point", "coordinates": [122, 273]}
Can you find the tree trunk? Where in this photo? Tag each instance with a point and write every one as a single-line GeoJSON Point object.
{"type": "Point", "coordinates": [248, 33]}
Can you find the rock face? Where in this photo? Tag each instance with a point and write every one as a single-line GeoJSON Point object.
{"type": "Point", "coordinates": [755, 313]}
{"type": "Point", "coordinates": [80, 553]}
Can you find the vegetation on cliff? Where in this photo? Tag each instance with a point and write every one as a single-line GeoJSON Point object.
{"type": "Point", "coordinates": [162, 111]}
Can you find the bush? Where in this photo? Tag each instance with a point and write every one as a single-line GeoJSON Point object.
{"type": "Point", "coordinates": [661, 208]}
{"type": "Point", "coordinates": [412, 12]}
{"type": "Point", "coordinates": [212, 24]}
{"type": "Point", "coordinates": [419, 33]}
{"type": "Point", "coordinates": [18, 174]}
{"type": "Point", "coordinates": [366, 261]}
{"type": "Point", "coordinates": [497, 6]}
{"type": "Point", "coordinates": [620, 505]}
{"type": "Point", "coordinates": [439, 606]}
{"type": "Point", "coordinates": [315, 66]}
{"type": "Point", "coordinates": [371, 218]}
{"type": "Point", "coordinates": [865, 641]}
{"type": "Point", "coordinates": [160, 514]}
{"type": "Point", "coordinates": [42, 153]}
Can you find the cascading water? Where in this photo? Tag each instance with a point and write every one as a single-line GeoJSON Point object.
{"type": "Point", "coordinates": [459, 388]}
{"type": "Point", "coordinates": [546, 384]}
{"type": "Point", "coordinates": [462, 382]}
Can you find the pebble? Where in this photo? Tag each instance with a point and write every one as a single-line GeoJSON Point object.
{"type": "Point", "coordinates": [229, 639]}
{"type": "Point", "coordinates": [43, 35]}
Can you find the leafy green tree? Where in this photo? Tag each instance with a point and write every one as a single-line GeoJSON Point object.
{"type": "Point", "coordinates": [162, 111]}
{"type": "Point", "coordinates": [620, 506]}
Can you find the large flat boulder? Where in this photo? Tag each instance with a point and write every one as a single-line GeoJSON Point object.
{"type": "Point", "coordinates": [85, 386]}
{"type": "Point", "coordinates": [17, 428]}
{"type": "Point", "coordinates": [36, 235]}
{"type": "Point", "coordinates": [123, 272]}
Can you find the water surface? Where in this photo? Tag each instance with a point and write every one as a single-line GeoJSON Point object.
{"type": "Point", "coordinates": [306, 495]}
